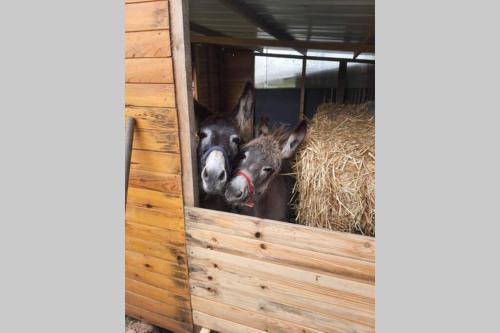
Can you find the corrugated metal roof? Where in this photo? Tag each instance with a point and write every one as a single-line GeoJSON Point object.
{"type": "Point", "coordinates": [313, 20]}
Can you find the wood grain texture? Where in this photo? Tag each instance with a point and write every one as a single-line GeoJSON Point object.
{"type": "Point", "coordinates": [156, 270]}
{"type": "Point", "coordinates": [280, 293]}
{"type": "Point", "coordinates": [172, 284]}
{"type": "Point", "coordinates": [282, 311]}
{"type": "Point", "coordinates": [156, 161]}
{"type": "Point", "coordinates": [298, 236]}
{"type": "Point", "coordinates": [247, 318]}
{"type": "Point", "coordinates": [146, 44]}
{"type": "Point", "coordinates": [155, 140]}
{"type": "Point", "coordinates": [221, 325]}
{"type": "Point", "coordinates": [156, 95]}
{"type": "Point", "coordinates": [338, 266]}
{"type": "Point", "coordinates": [156, 218]}
{"type": "Point", "coordinates": [155, 200]}
{"type": "Point", "coordinates": [155, 293]}
{"type": "Point", "coordinates": [165, 309]}
{"type": "Point", "coordinates": [164, 251]}
{"type": "Point", "coordinates": [157, 319]}
{"type": "Point", "coordinates": [181, 52]}
{"type": "Point", "coordinates": [349, 289]}
{"type": "Point", "coordinates": [163, 119]}
{"type": "Point", "coordinates": [300, 279]}
{"type": "Point", "coordinates": [156, 181]}
{"type": "Point", "coordinates": [155, 265]}
{"type": "Point", "coordinates": [149, 70]}
{"type": "Point", "coordinates": [146, 16]}
{"type": "Point", "coordinates": [164, 237]}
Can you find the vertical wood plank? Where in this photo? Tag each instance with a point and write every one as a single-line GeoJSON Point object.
{"type": "Point", "coordinates": [183, 87]}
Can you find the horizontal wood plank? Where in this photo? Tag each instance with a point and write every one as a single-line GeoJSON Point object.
{"type": "Point", "coordinates": [164, 119]}
{"type": "Point", "coordinates": [147, 44]}
{"type": "Point", "coordinates": [158, 294]}
{"type": "Point", "coordinates": [156, 181]}
{"type": "Point", "coordinates": [165, 309]}
{"type": "Point", "coordinates": [153, 234]}
{"type": "Point", "coordinates": [155, 140]}
{"type": "Point", "coordinates": [351, 289]}
{"type": "Point", "coordinates": [174, 285]}
{"type": "Point", "coordinates": [144, 94]}
{"type": "Point", "coordinates": [157, 249]}
{"type": "Point", "coordinates": [298, 236]}
{"type": "Point", "coordinates": [146, 16]}
{"type": "Point", "coordinates": [155, 200]}
{"type": "Point", "coordinates": [221, 325]}
{"type": "Point", "coordinates": [280, 311]}
{"type": "Point", "coordinates": [155, 265]}
{"type": "Point", "coordinates": [275, 292]}
{"type": "Point", "coordinates": [149, 70]}
{"type": "Point", "coordinates": [247, 318]}
{"type": "Point", "coordinates": [156, 161]}
{"type": "Point", "coordinates": [157, 319]}
{"type": "Point", "coordinates": [343, 267]}
{"type": "Point", "coordinates": [156, 218]}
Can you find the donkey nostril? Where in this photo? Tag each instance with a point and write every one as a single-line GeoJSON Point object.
{"type": "Point", "coordinates": [222, 175]}
{"type": "Point", "coordinates": [204, 173]}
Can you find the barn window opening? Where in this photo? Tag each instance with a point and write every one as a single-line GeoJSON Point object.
{"type": "Point", "coordinates": [290, 86]}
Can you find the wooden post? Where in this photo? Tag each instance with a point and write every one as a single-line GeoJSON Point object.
{"type": "Point", "coordinates": [181, 52]}
{"type": "Point", "coordinates": [303, 90]}
{"type": "Point", "coordinates": [341, 82]}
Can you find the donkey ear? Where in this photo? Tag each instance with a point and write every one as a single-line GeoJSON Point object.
{"type": "Point", "coordinates": [262, 128]}
{"type": "Point", "coordinates": [244, 110]}
{"type": "Point", "coordinates": [294, 140]}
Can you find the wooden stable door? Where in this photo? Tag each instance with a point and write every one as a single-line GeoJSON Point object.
{"type": "Point", "coordinates": [156, 276]}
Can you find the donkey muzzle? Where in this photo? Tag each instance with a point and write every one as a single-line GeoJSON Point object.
{"type": "Point", "coordinates": [214, 174]}
{"type": "Point", "coordinates": [236, 190]}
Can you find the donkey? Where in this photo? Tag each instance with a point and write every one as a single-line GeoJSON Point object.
{"type": "Point", "coordinates": [256, 188]}
{"type": "Point", "coordinates": [219, 142]}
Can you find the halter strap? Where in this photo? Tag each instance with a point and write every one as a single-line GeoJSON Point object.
{"type": "Point", "coordinates": [248, 202]}
{"type": "Point", "coordinates": [224, 153]}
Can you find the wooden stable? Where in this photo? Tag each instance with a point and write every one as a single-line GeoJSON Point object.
{"type": "Point", "coordinates": [186, 266]}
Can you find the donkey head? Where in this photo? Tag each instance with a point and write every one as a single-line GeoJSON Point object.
{"type": "Point", "coordinates": [219, 140]}
{"type": "Point", "coordinates": [261, 161]}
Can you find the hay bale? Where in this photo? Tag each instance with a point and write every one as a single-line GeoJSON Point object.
{"type": "Point", "coordinates": [335, 170]}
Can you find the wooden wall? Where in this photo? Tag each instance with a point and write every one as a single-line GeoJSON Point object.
{"type": "Point", "coordinates": [221, 75]}
{"type": "Point", "coordinates": [254, 275]}
{"type": "Point", "coordinates": [207, 64]}
{"type": "Point", "coordinates": [155, 255]}
{"type": "Point", "coordinates": [237, 70]}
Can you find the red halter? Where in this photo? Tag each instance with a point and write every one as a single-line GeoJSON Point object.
{"type": "Point", "coordinates": [248, 202]}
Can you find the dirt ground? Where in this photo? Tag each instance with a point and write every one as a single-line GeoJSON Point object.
{"type": "Point", "coordinates": [133, 325]}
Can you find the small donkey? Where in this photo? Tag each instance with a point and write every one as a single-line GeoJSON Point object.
{"type": "Point", "coordinates": [219, 140]}
{"type": "Point", "coordinates": [256, 188]}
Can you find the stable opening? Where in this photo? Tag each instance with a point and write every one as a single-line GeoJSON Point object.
{"type": "Point", "coordinates": [256, 74]}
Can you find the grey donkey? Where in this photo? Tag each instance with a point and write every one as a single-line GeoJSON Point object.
{"type": "Point", "coordinates": [256, 187]}
{"type": "Point", "coordinates": [219, 139]}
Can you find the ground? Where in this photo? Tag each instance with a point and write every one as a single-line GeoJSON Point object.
{"type": "Point", "coordinates": [133, 325]}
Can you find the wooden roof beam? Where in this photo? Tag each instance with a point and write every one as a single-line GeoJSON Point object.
{"type": "Point", "coordinates": [198, 28]}
{"type": "Point", "coordinates": [370, 36]}
{"type": "Point", "coordinates": [295, 44]}
{"type": "Point", "coordinates": [204, 30]}
{"type": "Point", "coordinates": [270, 25]}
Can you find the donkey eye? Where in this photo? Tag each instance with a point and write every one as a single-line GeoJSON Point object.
{"type": "Point", "coordinates": [267, 169]}
{"type": "Point", "coordinates": [203, 135]}
{"type": "Point", "coordinates": [236, 140]}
